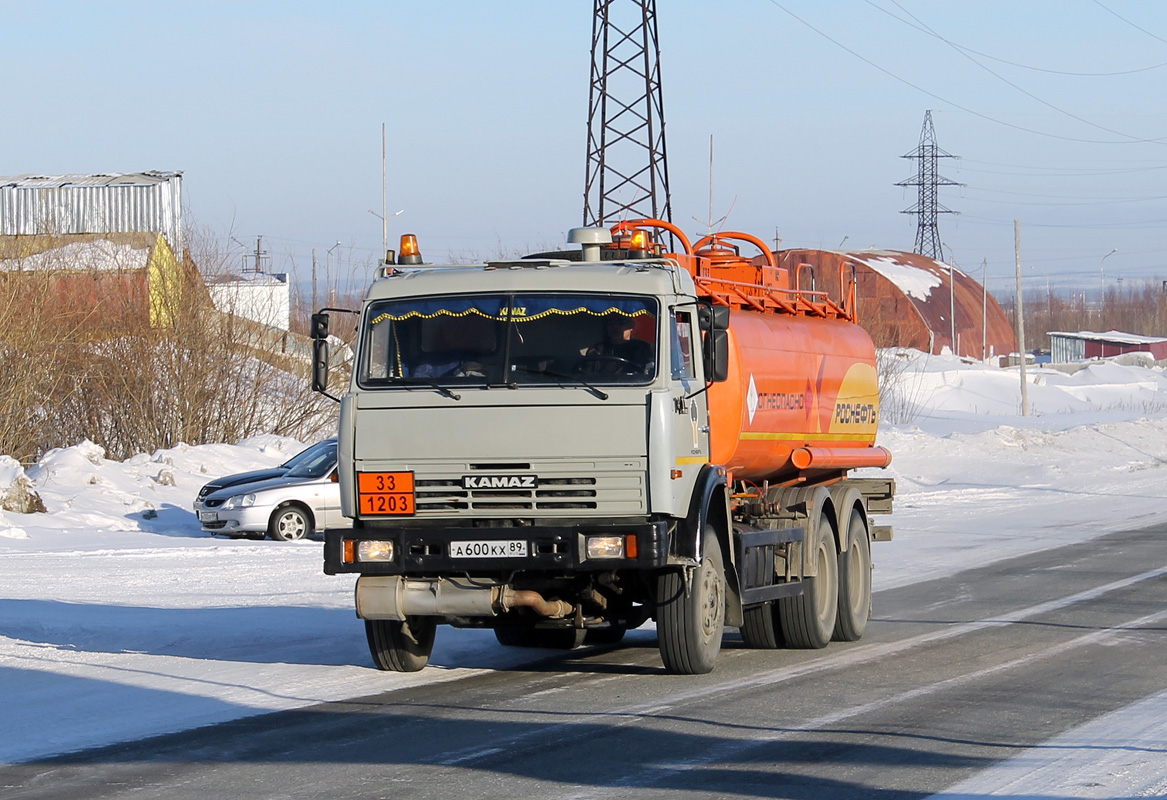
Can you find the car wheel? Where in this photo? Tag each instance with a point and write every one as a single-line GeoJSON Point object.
{"type": "Point", "coordinates": [289, 523]}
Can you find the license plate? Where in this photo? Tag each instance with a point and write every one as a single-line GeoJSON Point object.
{"type": "Point", "coordinates": [208, 516]}
{"type": "Point", "coordinates": [511, 548]}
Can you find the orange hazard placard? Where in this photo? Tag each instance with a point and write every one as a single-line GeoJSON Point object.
{"type": "Point", "coordinates": [385, 492]}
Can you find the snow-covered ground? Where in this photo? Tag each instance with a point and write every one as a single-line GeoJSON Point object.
{"type": "Point", "coordinates": [119, 619]}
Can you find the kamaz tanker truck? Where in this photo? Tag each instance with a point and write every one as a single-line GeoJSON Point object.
{"type": "Point", "coordinates": [564, 447]}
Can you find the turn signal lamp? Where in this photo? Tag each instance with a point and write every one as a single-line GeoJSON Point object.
{"type": "Point", "coordinates": [410, 253]}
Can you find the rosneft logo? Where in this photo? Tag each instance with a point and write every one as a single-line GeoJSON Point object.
{"type": "Point", "coordinates": [854, 413]}
{"type": "Point", "coordinates": [856, 409]}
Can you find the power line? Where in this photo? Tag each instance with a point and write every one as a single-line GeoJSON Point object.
{"type": "Point", "coordinates": [922, 28]}
{"type": "Point", "coordinates": [1010, 83]}
{"type": "Point", "coordinates": [955, 105]}
{"type": "Point", "coordinates": [1128, 22]}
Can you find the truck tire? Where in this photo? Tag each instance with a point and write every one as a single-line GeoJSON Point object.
{"type": "Point", "coordinates": [689, 624]}
{"type": "Point", "coordinates": [401, 646]}
{"type": "Point", "coordinates": [762, 629]}
{"type": "Point", "coordinates": [289, 523]}
{"type": "Point", "coordinates": [854, 582]}
{"type": "Point", "coordinates": [808, 620]}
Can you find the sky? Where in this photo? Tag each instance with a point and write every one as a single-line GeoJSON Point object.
{"type": "Point", "coordinates": [273, 111]}
{"type": "Point", "coordinates": [256, 626]}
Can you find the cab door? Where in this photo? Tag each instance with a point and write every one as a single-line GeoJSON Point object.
{"type": "Point", "coordinates": [686, 382]}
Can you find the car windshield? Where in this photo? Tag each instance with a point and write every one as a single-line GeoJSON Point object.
{"type": "Point", "coordinates": [308, 454]}
{"type": "Point", "coordinates": [510, 339]}
{"type": "Point", "coordinates": [318, 463]}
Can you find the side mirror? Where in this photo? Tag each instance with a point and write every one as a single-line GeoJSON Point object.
{"type": "Point", "coordinates": [717, 355]}
{"type": "Point", "coordinates": [713, 318]}
{"type": "Point", "coordinates": [319, 326]}
{"type": "Point", "coordinates": [319, 360]}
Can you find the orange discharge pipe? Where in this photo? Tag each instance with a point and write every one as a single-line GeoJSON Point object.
{"type": "Point", "coordinates": [840, 457]}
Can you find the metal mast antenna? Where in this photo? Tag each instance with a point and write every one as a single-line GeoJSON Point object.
{"type": "Point", "coordinates": [627, 171]}
{"type": "Point", "coordinates": [927, 179]}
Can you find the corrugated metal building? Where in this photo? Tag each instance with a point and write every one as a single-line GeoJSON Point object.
{"type": "Point", "coordinates": [909, 300]}
{"type": "Point", "coordinates": [1082, 345]}
{"type": "Point", "coordinates": [57, 205]}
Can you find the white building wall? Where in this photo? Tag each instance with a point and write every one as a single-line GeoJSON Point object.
{"type": "Point", "coordinates": [265, 299]}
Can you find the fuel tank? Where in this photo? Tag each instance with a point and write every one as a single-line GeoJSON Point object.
{"type": "Point", "coordinates": [798, 387]}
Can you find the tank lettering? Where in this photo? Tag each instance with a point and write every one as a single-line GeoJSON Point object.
{"type": "Point", "coordinates": [855, 413]}
{"type": "Point", "coordinates": [781, 401]}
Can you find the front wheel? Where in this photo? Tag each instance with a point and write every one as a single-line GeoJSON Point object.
{"type": "Point", "coordinates": [401, 646]}
{"type": "Point", "coordinates": [690, 617]}
{"type": "Point", "coordinates": [289, 523]}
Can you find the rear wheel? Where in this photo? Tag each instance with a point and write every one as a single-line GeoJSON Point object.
{"type": "Point", "coordinates": [690, 619]}
{"type": "Point", "coordinates": [762, 630]}
{"type": "Point", "coordinates": [854, 582]}
{"type": "Point", "coordinates": [401, 646]}
{"type": "Point", "coordinates": [808, 620]}
{"type": "Point", "coordinates": [289, 523]}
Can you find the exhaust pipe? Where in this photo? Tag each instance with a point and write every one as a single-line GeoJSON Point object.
{"type": "Point", "coordinates": [395, 597]}
{"type": "Point", "coordinates": [515, 598]}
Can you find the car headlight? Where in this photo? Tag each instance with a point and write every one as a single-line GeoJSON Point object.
{"type": "Point", "coordinates": [240, 501]}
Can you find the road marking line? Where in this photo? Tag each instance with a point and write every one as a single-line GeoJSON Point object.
{"type": "Point", "coordinates": [861, 655]}
{"type": "Point", "coordinates": [648, 775]}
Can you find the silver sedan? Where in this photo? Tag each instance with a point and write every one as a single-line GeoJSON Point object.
{"type": "Point", "coordinates": [303, 501]}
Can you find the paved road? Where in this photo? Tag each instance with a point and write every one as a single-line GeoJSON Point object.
{"type": "Point", "coordinates": [952, 677]}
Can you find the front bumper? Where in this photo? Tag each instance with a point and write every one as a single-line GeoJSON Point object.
{"type": "Point", "coordinates": [426, 551]}
{"type": "Point", "coordinates": [252, 519]}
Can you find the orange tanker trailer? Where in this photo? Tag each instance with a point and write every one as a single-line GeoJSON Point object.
{"type": "Point", "coordinates": [800, 400]}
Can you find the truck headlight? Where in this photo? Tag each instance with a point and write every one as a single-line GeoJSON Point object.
{"type": "Point", "coordinates": [605, 547]}
{"type": "Point", "coordinates": [370, 550]}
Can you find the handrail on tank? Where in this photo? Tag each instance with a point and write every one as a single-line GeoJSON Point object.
{"type": "Point", "coordinates": [714, 238]}
{"type": "Point", "coordinates": [803, 300]}
{"type": "Point", "coordinates": [647, 222]}
{"type": "Point", "coordinates": [798, 300]}
{"type": "Point", "coordinates": [848, 291]}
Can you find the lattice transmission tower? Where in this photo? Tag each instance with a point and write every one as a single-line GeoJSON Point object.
{"type": "Point", "coordinates": [927, 180]}
{"type": "Point", "coordinates": [627, 169]}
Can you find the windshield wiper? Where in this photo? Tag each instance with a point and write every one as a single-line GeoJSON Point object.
{"type": "Point", "coordinates": [565, 377]}
{"type": "Point", "coordinates": [437, 387]}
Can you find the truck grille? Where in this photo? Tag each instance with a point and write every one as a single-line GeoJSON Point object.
{"type": "Point", "coordinates": [439, 491]}
{"type": "Point", "coordinates": [553, 494]}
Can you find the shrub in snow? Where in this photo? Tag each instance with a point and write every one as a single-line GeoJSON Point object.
{"type": "Point", "coordinates": [16, 492]}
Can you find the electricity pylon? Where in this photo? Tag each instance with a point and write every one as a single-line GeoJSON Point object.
{"type": "Point", "coordinates": [927, 179]}
{"type": "Point", "coordinates": [627, 169]}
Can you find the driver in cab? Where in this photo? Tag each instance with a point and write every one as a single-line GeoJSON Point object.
{"type": "Point", "coordinates": [619, 352]}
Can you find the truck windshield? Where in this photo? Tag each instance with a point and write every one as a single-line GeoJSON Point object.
{"type": "Point", "coordinates": [510, 339]}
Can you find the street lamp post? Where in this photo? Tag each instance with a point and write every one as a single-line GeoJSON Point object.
{"type": "Point", "coordinates": [385, 228]}
{"type": "Point", "coordinates": [1102, 275]}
